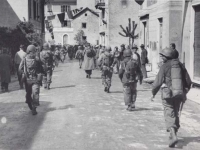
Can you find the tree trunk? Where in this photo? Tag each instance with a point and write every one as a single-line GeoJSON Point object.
{"type": "Point", "coordinates": [132, 42]}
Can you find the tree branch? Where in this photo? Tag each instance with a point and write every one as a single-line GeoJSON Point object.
{"type": "Point", "coordinates": [122, 34]}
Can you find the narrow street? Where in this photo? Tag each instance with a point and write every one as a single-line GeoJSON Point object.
{"type": "Point", "coordinates": [76, 114]}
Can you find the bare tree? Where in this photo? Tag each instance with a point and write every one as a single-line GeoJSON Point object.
{"type": "Point", "coordinates": [130, 31]}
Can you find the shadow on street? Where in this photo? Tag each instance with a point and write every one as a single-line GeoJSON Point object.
{"type": "Point", "coordinates": [184, 141]}
{"type": "Point", "coordinates": [18, 126]}
{"type": "Point", "coordinates": [59, 108]}
{"type": "Point", "coordinates": [62, 87]}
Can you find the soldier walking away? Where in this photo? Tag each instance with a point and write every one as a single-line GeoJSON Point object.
{"type": "Point", "coordinates": [144, 61]}
{"type": "Point", "coordinates": [46, 57]}
{"type": "Point", "coordinates": [79, 55]}
{"type": "Point", "coordinates": [175, 82]}
{"type": "Point", "coordinates": [5, 70]}
{"type": "Point", "coordinates": [106, 64]}
{"type": "Point", "coordinates": [18, 58]}
{"type": "Point", "coordinates": [129, 72]}
{"type": "Point", "coordinates": [89, 65]}
{"type": "Point", "coordinates": [32, 69]}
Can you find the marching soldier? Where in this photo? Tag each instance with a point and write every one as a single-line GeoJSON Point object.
{"type": "Point", "coordinates": [79, 55]}
{"type": "Point", "coordinates": [174, 81]}
{"type": "Point", "coordinates": [31, 68]}
{"type": "Point", "coordinates": [129, 72]}
{"type": "Point", "coordinates": [46, 57]}
{"type": "Point", "coordinates": [106, 65]}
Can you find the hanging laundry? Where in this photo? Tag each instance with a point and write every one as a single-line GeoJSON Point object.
{"type": "Point", "coordinates": [76, 11]}
{"type": "Point", "coordinates": [66, 16]}
{"type": "Point", "coordinates": [61, 17]}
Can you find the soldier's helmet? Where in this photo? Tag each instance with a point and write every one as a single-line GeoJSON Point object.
{"type": "Point", "coordinates": [79, 47]}
{"type": "Point", "coordinates": [167, 52]}
{"type": "Point", "coordinates": [30, 49]}
{"type": "Point", "coordinates": [127, 53]}
{"type": "Point", "coordinates": [46, 46]}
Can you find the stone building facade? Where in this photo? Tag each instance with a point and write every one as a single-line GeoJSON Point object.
{"type": "Point", "coordinates": [62, 33]}
{"type": "Point", "coordinates": [113, 14]}
{"type": "Point", "coordinates": [159, 25]}
{"type": "Point", "coordinates": [86, 20]}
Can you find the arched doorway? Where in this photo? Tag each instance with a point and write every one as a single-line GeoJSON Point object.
{"type": "Point", "coordinates": [65, 39]}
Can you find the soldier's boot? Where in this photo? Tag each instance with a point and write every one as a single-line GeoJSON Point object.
{"type": "Point", "coordinates": [34, 112]}
{"type": "Point", "coordinates": [48, 86]}
{"type": "Point", "coordinates": [173, 138]}
{"type": "Point", "coordinates": [45, 86]}
{"type": "Point", "coordinates": [106, 89]}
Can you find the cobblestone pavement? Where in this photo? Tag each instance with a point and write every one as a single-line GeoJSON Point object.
{"type": "Point", "coordinates": [76, 114]}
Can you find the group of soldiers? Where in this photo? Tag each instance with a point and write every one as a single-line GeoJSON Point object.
{"type": "Point", "coordinates": [173, 79]}
{"type": "Point", "coordinates": [36, 69]}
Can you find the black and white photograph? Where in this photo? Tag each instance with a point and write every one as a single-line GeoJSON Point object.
{"type": "Point", "coordinates": [100, 74]}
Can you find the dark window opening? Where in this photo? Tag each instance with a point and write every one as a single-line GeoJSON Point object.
{"type": "Point", "coordinates": [34, 10]}
{"type": "Point", "coordinates": [65, 8]}
{"type": "Point", "coordinates": [85, 14]}
{"type": "Point", "coordinates": [29, 8]}
{"type": "Point", "coordinates": [67, 24]}
{"type": "Point", "coordinates": [84, 25]}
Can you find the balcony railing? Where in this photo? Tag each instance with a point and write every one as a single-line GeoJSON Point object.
{"type": "Point", "coordinates": [99, 4]}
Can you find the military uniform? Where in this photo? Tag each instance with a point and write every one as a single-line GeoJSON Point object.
{"type": "Point", "coordinates": [129, 78]}
{"type": "Point", "coordinates": [107, 69]}
{"type": "Point", "coordinates": [31, 68]}
{"type": "Point", "coordinates": [164, 81]}
{"type": "Point", "coordinates": [79, 55]}
{"type": "Point", "coordinates": [46, 57]}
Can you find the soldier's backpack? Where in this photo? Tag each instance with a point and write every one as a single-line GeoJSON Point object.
{"type": "Point", "coordinates": [79, 55]}
{"type": "Point", "coordinates": [29, 70]}
{"type": "Point", "coordinates": [106, 60]}
{"type": "Point", "coordinates": [180, 82]}
{"type": "Point", "coordinates": [131, 70]}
